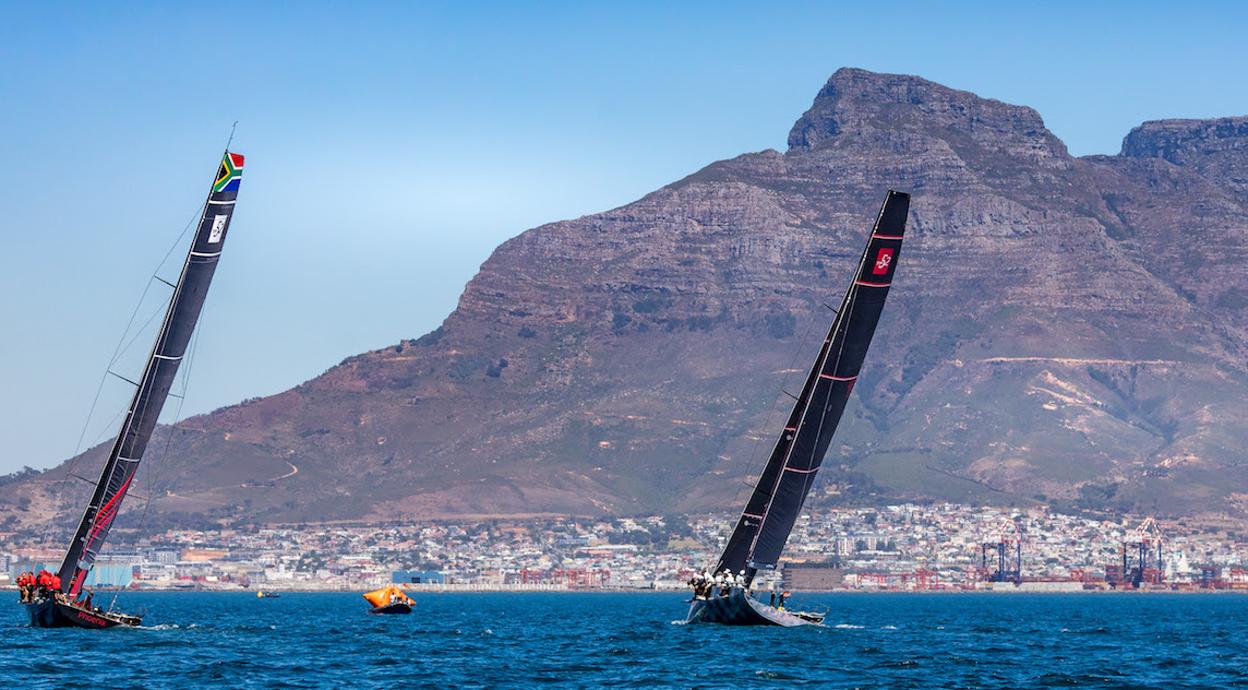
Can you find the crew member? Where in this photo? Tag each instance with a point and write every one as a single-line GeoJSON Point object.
{"type": "Point", "coordinates": [783, 596]}
{"type": "Point", "coordinates": [696, 583]}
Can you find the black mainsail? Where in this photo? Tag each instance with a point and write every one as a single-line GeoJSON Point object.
{"type": "Point", "coordinates": [158, 375]}
{"type": "Point", "coordinates": [773, 507]}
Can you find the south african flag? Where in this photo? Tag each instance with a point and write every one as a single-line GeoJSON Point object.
{"type": "Point", "coordinates": [230, 174]}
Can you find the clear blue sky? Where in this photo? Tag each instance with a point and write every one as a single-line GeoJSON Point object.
{"type": "Point", "coordinates": [390, 147]}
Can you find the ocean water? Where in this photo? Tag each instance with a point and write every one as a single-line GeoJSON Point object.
{"type": "Point", "coordinates": [532, 640]}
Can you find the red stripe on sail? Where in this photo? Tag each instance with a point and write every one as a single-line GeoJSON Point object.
{"type": "Point", "coordinates": [105, 517]}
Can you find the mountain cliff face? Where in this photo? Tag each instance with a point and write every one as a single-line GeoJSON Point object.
{"type": "Point", "coordinates": [1066, 330]}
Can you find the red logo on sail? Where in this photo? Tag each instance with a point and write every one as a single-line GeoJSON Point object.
{"type": "Point", "coordinates": [883, 261]}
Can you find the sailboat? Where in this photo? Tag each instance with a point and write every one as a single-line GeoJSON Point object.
{"type": "Point", "coordinates": [768, 517]}
{"type": "Point", "coordinates": [60, 606]}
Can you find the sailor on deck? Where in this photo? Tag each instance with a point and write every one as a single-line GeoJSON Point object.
{"type": "Point", "coordinates": [700, 582]}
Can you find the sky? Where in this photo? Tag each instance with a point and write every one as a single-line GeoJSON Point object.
{"type": "Point", "coordinates": [391, 146]}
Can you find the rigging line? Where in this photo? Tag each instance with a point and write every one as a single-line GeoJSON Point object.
{"type": "Point", "coordinates": [850, 304]}
{"type": "Point", "coordinates": [108, 474]}
{"type": "Point", "coordinates": [104, 378]}
{"type": "Point", "coordinates": [119, 350]}
{"type": "Point", "coordinates": [107, 431]}
{"type": "Point", "coordinates": [152, 468]}
{"type": "Point", "coordinates": [199, 214]}
{"type": "Point", "coordinates": [142, 329]}
{"type": "Point", "coordinates": [123, 378]}
{"type": "Point", "coordinates": [838, 325]}
{"type": "Point", "coordinates": [753, 458]}
{"type": "Point", "coordinates": [802, 413]}
{"type": "Point", "coordinates": [820, 357]}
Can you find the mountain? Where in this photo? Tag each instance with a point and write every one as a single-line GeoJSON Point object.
{"type": "Point", "coordinates": [1061, 330]}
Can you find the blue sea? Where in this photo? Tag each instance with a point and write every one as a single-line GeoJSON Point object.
{"type": "Point", "coordinates": [532, 640]}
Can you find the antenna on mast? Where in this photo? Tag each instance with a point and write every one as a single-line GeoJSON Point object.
{"type": "Point", "coordinates": [231, 139]}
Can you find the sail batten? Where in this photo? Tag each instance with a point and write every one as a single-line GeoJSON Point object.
{"type": "Point", "coordinates": [772, 509]}
{"type": "Point", "coordinates": [152, 388]}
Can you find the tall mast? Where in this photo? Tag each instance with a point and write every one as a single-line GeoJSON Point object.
{"type": "Point", "coordinates": [773, 506]}
{"type": "Point", "coordinates": [158, 375]}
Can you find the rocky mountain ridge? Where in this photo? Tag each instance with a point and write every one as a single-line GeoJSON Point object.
{"type": "Point", "coordinates": [1062, 330]}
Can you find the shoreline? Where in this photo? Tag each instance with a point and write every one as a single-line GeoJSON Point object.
{"type": "Point", "coordinates": [488, 589]}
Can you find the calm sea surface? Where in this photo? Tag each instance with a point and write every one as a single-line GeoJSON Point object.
{"type": "Point", "coordinates": [634, 640]}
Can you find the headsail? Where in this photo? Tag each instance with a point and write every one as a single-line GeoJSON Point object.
{"type": "Point", "coordinates": [158, 375]}
{"type": "Point", "coordinates": [773, 507]}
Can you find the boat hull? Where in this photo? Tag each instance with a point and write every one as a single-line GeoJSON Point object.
{"type": "Point", "coordinates": [397, 608]}
{"type": "Point", "coordinates": [739, 608]}
{"type": "Point", "coordinates": [55, 614]}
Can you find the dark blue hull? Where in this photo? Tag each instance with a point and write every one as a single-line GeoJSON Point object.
{"type": "Point", "coordinates": [739, 608]}
{"type": "Point", "coordinates": [399, 608]}
{"type": "Point", "coordinates": [47, 613]}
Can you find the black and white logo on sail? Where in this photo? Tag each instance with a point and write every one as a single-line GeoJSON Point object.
{"type": "Point", "coordinates": [218, 229]}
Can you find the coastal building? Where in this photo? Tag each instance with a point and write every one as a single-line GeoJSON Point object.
{"type": "Point", "coordinates": [813, 577]}
{"type": "Point", "coordinates": [417, 577]}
